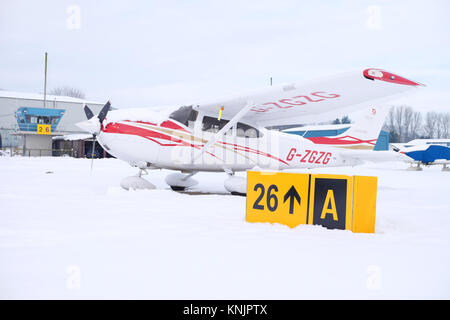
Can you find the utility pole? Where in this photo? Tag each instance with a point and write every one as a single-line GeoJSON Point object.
{"type": "Point", "coordinates": [45, 81]}
{"type": "Point", "coordinates": [270, 81]}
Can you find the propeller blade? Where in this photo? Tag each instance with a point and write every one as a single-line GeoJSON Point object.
{"type": "Point", "coordinates": [88, 112]}
{"type": "Point", "coordinates": [104, 112]}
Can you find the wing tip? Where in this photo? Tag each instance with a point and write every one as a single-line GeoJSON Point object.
{"type": "Point", "coordinates": [383, 75]}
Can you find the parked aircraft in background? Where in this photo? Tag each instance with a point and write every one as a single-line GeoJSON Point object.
{"type": "Point", "coordinates": [229, 134]}
{"type": "Point", "coordinates": [426, 152]}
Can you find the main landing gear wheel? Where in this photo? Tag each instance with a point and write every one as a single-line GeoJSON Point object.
{"type": "Point", "coordinates": [177, 188]}
{"type": "Point", "coordinates": [180, 182]}
{"type": "Point", "coordinates": [235, 193]}
{"type": "Point", "coordinates": [237, 186]}
{"type": "Point", "coordinates": [136, 182]}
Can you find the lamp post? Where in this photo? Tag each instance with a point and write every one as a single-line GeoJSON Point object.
{"type": "Point", "coordinates": [45, 81]}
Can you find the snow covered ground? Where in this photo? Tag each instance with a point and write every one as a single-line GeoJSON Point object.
{"type": "Point", "coordinates": [67, 234]}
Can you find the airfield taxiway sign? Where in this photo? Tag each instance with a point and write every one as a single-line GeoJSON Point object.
{"type": "Point", "coordinates": [332, 201]}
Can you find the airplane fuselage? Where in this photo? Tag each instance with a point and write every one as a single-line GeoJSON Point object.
{"type": "Point", "coordinates": [172, 145]}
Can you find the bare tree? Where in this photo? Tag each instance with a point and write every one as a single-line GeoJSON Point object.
{"type": "Point", "coordinates": [389, 125]}
{"type": "Point", "coordinates": [402, 121]}
{"type": "Point", "coordinates": [415, 127]}
{"type": "Point", "coordinates": [68, 92]}
{"type": "Point", "coordinates": [404, 124]}
{"type": "Point", "coordinates": [443, 125]}
{"type": "Point", "coordinates": [430, 125]}
{"type": "Point", "coordinates": [446, 122]}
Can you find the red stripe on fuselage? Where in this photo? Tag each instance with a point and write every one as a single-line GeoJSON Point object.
{"type": "Point", "coordinates": [121, 128]}
{"type": "Point", "coordinates": [172, 125]}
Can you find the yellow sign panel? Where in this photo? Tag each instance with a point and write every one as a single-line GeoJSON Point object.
{"type": "Point", "coordinates": [332, 201]}
{"type": "Point", "coordinates": [277, 197]}
{"type": "Point", "coordinates": [44, 129]}
{"type": "Point", "coordinates": [364, 204]}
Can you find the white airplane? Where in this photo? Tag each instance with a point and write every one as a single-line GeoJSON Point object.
{"type": "Point", "coordinates": [229, 134]}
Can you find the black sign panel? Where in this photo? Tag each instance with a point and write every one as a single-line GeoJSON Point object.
{"type": "Point", "coordinates": [330, 201]}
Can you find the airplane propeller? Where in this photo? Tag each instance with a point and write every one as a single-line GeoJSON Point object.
{"type": "Point", "coordinates": [89, 113]}
{"type": "Point", "coordinates": [102, 114]}
{"type": "Point", "coordinates": [93, 125]}
{"type": "Point", "coordinates": [100, 117]}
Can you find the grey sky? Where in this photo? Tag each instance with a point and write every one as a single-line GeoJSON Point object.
{"type": "Point", "coordinates": [152, 53]}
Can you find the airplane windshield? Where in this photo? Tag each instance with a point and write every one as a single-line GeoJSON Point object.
{"type": "Point", "coordinates": [185, 115]}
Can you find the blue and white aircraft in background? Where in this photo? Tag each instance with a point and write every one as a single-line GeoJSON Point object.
{"type": "Point", "coordinates": [426, 152]}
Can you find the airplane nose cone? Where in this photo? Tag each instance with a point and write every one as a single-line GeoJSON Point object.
{"type": "Point", "coordinates": [92, 125]}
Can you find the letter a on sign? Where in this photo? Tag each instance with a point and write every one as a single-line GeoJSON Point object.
{"type": "Point", "coordinates": [329, 206]}
{"type": "Point", "coordinates": [331, 201]}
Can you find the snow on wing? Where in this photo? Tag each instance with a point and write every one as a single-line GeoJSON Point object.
{"type": "Point", "coordinates": [298, 102]}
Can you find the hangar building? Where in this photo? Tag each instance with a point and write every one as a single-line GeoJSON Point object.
{"type": "Point", "coordinates": [30, 128]}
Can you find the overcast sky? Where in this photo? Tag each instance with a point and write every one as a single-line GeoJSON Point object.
{"type": "Point", "coordinates": [143, 54]}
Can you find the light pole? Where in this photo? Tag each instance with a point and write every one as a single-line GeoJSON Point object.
{"type": "Point", "coordinates": [45, 81]}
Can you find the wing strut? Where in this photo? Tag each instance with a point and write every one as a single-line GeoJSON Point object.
{"type": "Point", "coordinates": [225, 128]}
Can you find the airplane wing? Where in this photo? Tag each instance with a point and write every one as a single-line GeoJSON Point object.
{"type": "Point", "coordinates": [301, 102]}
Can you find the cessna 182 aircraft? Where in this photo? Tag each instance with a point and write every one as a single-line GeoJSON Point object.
{"type": "Point", "coordinates": [229, 134]}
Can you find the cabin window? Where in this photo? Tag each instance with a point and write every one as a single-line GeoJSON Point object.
{"type": "Point", "coordinates": [185, 115]}
{"type": "Point", "coordinates": [245, 131]}
{"type": "Point", "coordinates": [212, 124]}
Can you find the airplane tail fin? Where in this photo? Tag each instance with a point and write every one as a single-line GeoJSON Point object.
{"type": "Point", "coordinates": [366, 129]}
{"type": "Point", "coordinates": [363, 134]}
